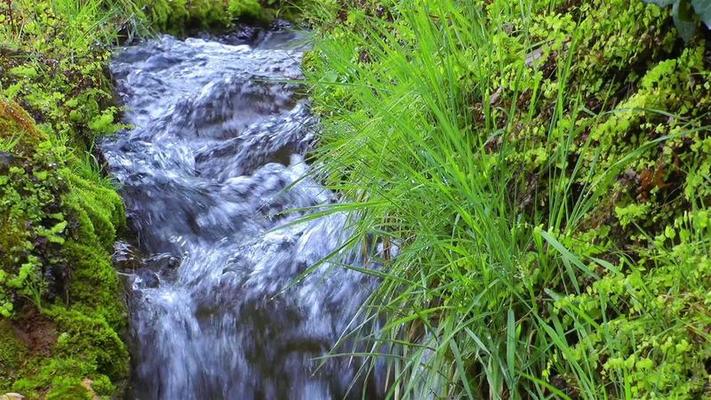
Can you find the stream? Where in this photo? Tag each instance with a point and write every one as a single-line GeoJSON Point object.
{"type": "Point", "coordinates": [217, 191]}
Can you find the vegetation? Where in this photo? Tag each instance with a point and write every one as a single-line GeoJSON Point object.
{"type": "Point", "coordinates": [543, 168]}
{"type": "Point", "coordinates": [683, 13]}
{"type": "Point", "coordinates": [61, 305]}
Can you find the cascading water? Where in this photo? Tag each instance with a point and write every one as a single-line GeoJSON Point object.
{"type": "Point", "coordinates": [208, 172]}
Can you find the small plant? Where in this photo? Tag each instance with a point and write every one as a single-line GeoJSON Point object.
{"type": "Point", "coordinates": [8, 15]}
{"type": "Point", "coordinates": [686, 14]}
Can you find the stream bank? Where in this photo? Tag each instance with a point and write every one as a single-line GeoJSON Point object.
{"type": "Point", "coordinates": [546, 165]}
{"type": "Point", "coordinates": [63, 316]}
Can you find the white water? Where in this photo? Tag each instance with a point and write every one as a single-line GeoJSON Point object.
{"type": "Point", "coordinates": [208, 174]}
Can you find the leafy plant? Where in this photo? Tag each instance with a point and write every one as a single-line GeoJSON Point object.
{"type": "Point", "coordinates": [535, 185]}
{"type": "Point", "coordinates": [686, 13]}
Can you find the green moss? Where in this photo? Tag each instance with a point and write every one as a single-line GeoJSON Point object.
{"type": "Point", "coordinates": [76, 220]}
{"type": "Point", "coordinates": [181, 15]}
{"type": "Point", "coordinates": [68, 389]}
{"type": "Point", "coordinates": [49, 382]}
{"type": "Point", "coordinates": [95, 286]}
{"type": "Point", "coordinates": [13, 353]}
{"type": "Point", "coordinates": [99, 207]}
{"type": "Point", "coordinates": [16, 124]}
{"type": "Point", "coordinates": [58, 214]}
{"type": "Point", "coordinates": [106, 356]}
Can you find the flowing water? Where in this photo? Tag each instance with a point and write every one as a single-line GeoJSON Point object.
{"type": "Point", "coordinates": [209, 173]}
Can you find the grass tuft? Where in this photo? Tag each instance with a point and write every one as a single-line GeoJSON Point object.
{"type": "Point", "coordinates": [533, 182]}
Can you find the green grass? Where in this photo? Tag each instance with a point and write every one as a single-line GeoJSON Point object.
{"type": "Point", "coordinates": [516, 278]}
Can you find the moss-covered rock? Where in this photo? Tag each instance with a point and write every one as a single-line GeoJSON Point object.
{"type": "Point", "coordinates": [61, 301]}
{"type": "Point", "coordinates": [59, 229]}
{"type": "Point", "coordinates": [180, 16]}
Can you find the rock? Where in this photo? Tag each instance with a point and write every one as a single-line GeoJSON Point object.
{"type": "Point", "coordinates": [126, 257]}
{"type": "Point", "coordinates": [145, 278]}
{"type": "Point", "coordinates": [280, 24]}
{"type": "Point", "coordinates": [12, 396]}
{"type": "Point", "coordinates": [163, 262]}
{"type": "Point", "coordinates": [87, 384]}
{"type": "Point", "coordinates": [6, 160]}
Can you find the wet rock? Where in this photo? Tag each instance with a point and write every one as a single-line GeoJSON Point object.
{"type": "Point", "coordinates": [6, 160]}
{"type": "Point", "coordinates": [244, 34]}
{"type": "Point", "coordinates": [12, 396]}
{"type": "Point", "coordinates": [280, 24]}
{"type": "Point", "coordinates": [161, 61]}
{"type": "Point", "coordinates": [57, 277]}
{"type": "Point", "coordinates": [126, 256]}
{"type": "Point", "coordinates": [163, 262]}
{"type": "Point", "coordinates": [145, 278]}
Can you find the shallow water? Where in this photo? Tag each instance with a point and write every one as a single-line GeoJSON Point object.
{"type": "Point", "coordinates": [209, 174]}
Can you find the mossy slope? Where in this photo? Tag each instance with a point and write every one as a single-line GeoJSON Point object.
{"type": "Point", "coordinates": [61, 301]}
{"type": "Point", "coordinates": [59, 227]}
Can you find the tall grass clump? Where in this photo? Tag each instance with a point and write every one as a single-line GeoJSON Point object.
{"type": "Point", "coordinates": [533, 188]}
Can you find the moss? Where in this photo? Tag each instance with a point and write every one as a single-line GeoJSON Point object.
{"type": "Point", "coordinates": [59, 219]}
{"type": "Point", "coordinates": [75, 219]}
{"type": "Point", "coordinates": [94, 286]}
{"type": "Point", "coordinates": [181, 15]}
{"type": "Point", "coordinates": [47, 383]}
{"type": "Point", "coordinates": [97, 204]}
{"type": "Point", "coordinates": [12, 355]}
{"type": "Point", "coordinates": [16, 124]}
{"type": "Point", "coordinates": [109, 356]}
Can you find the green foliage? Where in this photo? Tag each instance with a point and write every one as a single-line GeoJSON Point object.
{"type": "Point", "coordinates": [12, 352]}
{"type": "Point", "coordinates": [101, 357]}
{"type": "Point", "coordinates": [29, 215]}
{"type": "Point", "coordinates": [177, 16]}
{"type": "Point", "coordinates": [58, 216]}
{"type": "Point", "coordinates": [683, 13]}
{"type": "Point", "coordinates": [59, 222]}
{"type": "Point", "coordinates": [543, 167]}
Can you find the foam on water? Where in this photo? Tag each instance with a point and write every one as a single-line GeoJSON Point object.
{"type": "Point", "coordinates": [209, 172]}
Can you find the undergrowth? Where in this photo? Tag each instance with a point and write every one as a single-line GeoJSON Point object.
{"type": "Point", "coordinates": [543, 169]}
